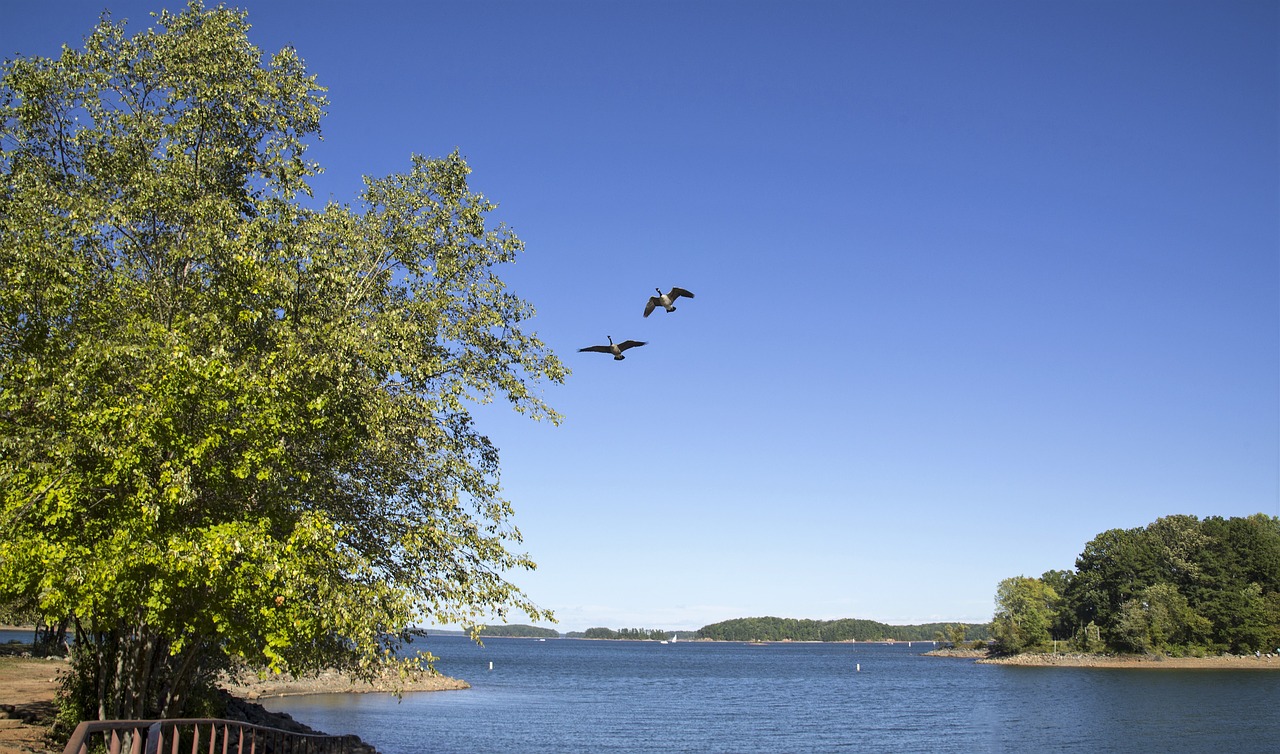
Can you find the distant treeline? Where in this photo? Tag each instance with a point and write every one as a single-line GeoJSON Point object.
{"type": "Point", "coordinates": [518, 631]}
{"type": "Point", "coordinates": [1177, 586]}
{"type": "Point", "coordinates": [762, 629]}
{"type": "Point", "coordinates": [844, 629]}
{"type": "Point", "coordinates": [634, 634]}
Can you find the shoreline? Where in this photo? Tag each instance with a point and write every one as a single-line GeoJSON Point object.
{"type": "Point", "coordinates": [1140, 662]}
{"type": "Point", "coordinates": [249, 686]}
{"type": "Point", "coordinates": [29, 688]}
{"type": "Point", "coordinates": [1113, 661]}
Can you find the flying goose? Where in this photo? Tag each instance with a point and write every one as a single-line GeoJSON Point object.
{"type": "Point", "coordinates": [664, 299]}
{"type": "Point", "coordinates": [614, 348]}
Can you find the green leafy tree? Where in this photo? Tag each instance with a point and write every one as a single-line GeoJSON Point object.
{"type": "Point", "coordinates": [1089, 638]}
{"type": "Point", "coordinates": [1176, 585]}
{"type": "Point", "coordinates": [1024, 615]}
{"type": "Point", "coordinates": [233, 426]}
{"type": "Point", "coordinates": [1113, 568]}
{"type": "Point", "coordinates": [1159, 620]}
{"type": "Point", "coordinates": [1240, 589]}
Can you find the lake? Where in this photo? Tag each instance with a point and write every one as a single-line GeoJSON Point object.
{"type": "Point", "coordinates": [569, 695]}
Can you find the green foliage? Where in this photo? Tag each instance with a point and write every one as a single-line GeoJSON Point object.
{"type": "Point", "coordinates": [1159, 619]}
{"type": "Point", "coordinates": [519, 631]}
{"type": "Point", "coordinates": [844, 629]}
{"type": "Point", "coordinates": [19, 613]}
{"type": "Point", "coordinates": [632, 634]}
{"type": "Point", "coordinates": [1025, 609]}
{"type": "Point", "coordinates": [955, 635]}
{"type": "Point", "coordinates": [232, 426]}
{"type": "Point", "coordinates": [1088, 639]}
{"type": "Point", "coordinates": [1179, 585]}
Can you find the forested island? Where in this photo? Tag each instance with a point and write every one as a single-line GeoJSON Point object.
{"type": "Point", "coordinates": [844, 629]}
{"type": "Point", "coordinates": [760, 629]}
{"type": "Point", "coordinates": [1178, 586]}
{"type": "Point", "coordinates": [519, 631]}
{"type": "Point", "coordinates": [631, 634]}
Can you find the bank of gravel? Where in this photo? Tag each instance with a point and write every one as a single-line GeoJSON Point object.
{"type": "Point", "coordinates": [965, 654]}
{"type": "Point", "coordinates": [251, 685]}
{"type": "Point", "coordinates": [1083, 660]}
{"type": "Point", "coordinates": [1141, 662]}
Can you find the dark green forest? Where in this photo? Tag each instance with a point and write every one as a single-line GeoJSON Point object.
{"type": "Point", "coordinates": [764, 629]}
{"type": "Point", "coordinates": [633, 634]}
{"type": "Point", "coordinates": [518, 631]}
{"type": "Point", "coordinates": [1178, 586]}
{"type": "Point", "coordinates": [844, 629]}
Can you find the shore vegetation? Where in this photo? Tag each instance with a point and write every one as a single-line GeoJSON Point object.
{"type": "Point", "coordinates": [237, 425]}
{"type": "Point", "coordinates": [1179, 586]}
{"type": "Point", "coordinates": [845, 629]}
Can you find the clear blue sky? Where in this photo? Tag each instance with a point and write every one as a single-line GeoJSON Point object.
{"type": "Point", "coordinates": [975, 281]}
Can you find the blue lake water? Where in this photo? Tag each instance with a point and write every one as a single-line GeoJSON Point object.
{"type": "Point", "coordinates": [566, 695]}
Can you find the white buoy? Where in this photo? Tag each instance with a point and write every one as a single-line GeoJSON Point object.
{"type": "Point", "coordinates": [859, 667]}
{"type": "Point", "coordinates": [491, 664]}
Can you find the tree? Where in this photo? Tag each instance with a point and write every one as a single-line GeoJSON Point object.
{"type": "Point", "coordinates": [951, 634]}
{"type": "Point", "coordinates": [1112, 569]}
{"type": "Point", "coordinates": [1063, 621]}
{"type": "Point", "coordinates": [234, 426]}
{"type": "Point", "coordinates": [1240, 589]}
{"type": "Point", "coordinates": [1024, 614]}
{"type": "Point", "coordinates": [1159, 620]}
{"type": "Point", "coordinates": [1176, 585]}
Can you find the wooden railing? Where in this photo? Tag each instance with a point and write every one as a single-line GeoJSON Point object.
{"type": "Point", "coordinates": [202, 736]}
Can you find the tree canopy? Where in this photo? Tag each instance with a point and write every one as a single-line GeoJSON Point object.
{"type": "Point", "coordinates": [1178, 585]}
{"type": "Point", "coordinates": [519, 631]}
{"type": "Point", "coordinates": [630, 634]}
{"type": "Point", "coordinates": [844, 629]}
{"type": "Point", "coordinates": [1025, 609]}
{"type": "Point", "coordinates": [234, 425]}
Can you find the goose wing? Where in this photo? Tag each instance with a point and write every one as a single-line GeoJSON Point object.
{"type": "Point", "coordinates": [624, 345]}
{"type": "Point", "coordinates": [648, 308]}
{"type": "Point", "coordinates": [676, 293]}
{"type": "Point", "coordinates": [597, 349]}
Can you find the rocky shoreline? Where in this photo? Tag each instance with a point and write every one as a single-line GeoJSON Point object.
{"type": "Point", "coordinates": [249, 685]}
{"type": "Point", "coordinates": [1142, 662]}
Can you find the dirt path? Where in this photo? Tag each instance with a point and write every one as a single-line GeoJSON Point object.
{"type": "Point", "coordinates": [27, 689]}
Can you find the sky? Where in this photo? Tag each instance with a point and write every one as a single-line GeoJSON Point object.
{"type": "Point", "coordinates": [974, 282]}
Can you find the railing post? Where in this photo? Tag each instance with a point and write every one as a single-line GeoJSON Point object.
{"type": "Point", "coordinates": [154, 738]}
{"type": "Point", "coordinates": [148, 737]}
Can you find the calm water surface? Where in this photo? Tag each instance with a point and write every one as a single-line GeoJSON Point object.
{"type": "Point", "coordinates": [566, 695]}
